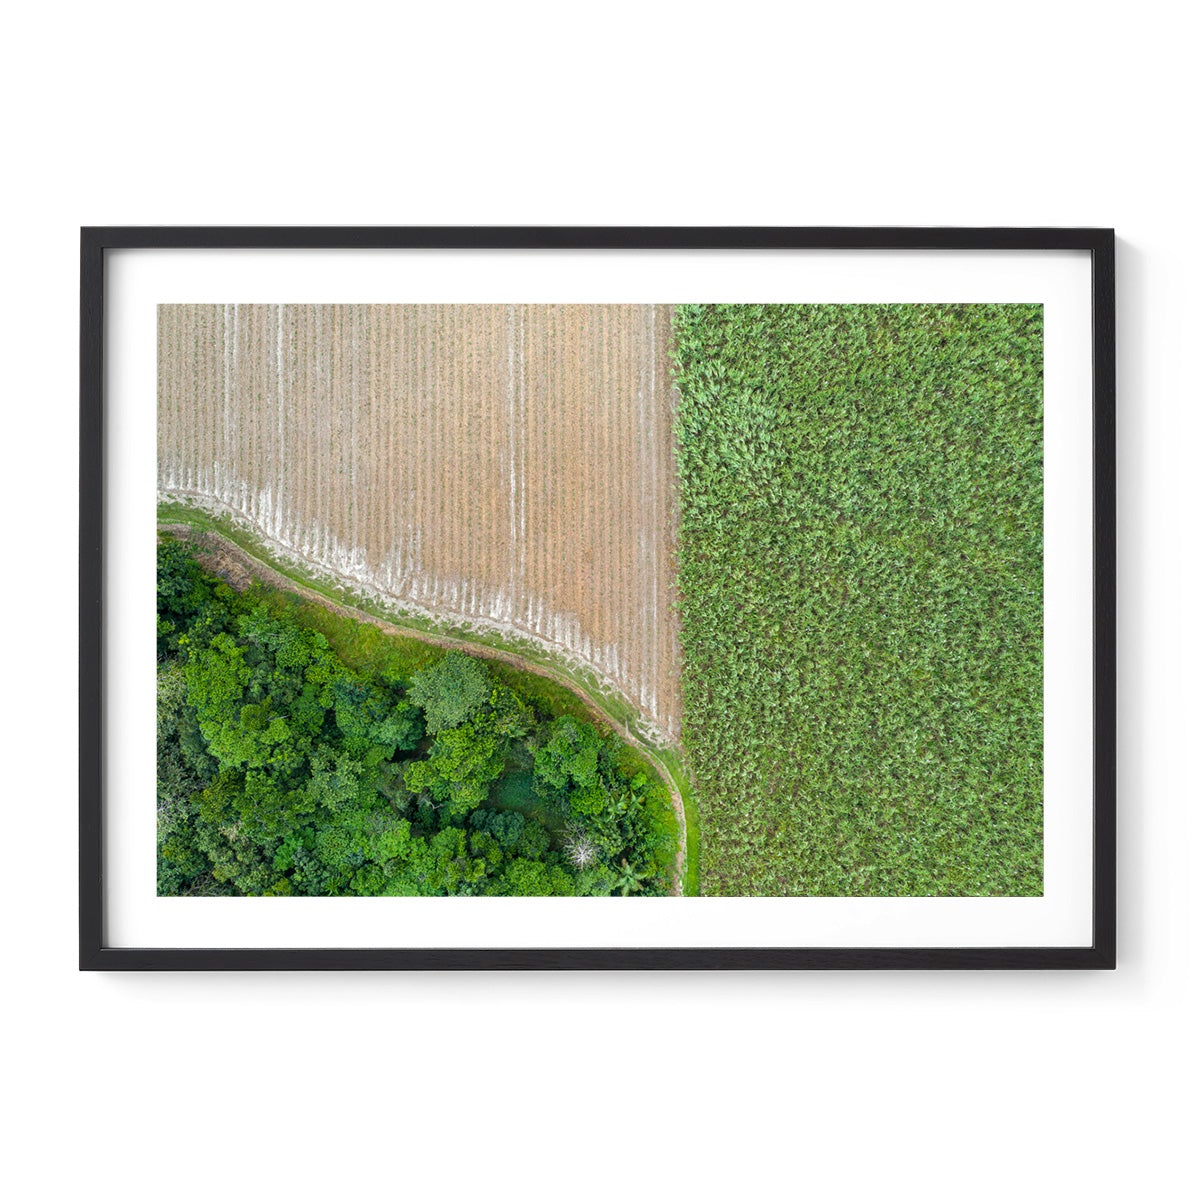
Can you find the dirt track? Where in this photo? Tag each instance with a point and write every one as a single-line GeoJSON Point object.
{"type": "Point", "coordinates": [507, 464]}
{"type": "Point", "coordinates": [239, 568]}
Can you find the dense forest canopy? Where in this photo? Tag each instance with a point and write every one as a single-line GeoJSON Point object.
{"type": "Point", "coordinates": [284, 771]}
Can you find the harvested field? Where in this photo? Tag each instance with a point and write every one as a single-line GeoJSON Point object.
{"type": "Point", "coordinates": [506, 465]}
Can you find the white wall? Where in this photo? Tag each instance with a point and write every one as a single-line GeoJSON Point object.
{"type": "Point", "coordinates": [930, 1085]}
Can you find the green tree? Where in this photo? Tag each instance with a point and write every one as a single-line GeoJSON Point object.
{"type": "Point", "coordinates": [629, 880]}
{"type": "Point", "coordinates": [463, 762]}
{"type": "Point", "coordinates": [369, 715]}
{"type": "Point", "coordinates": [528, 877]}
{"type": "Point", "coordinates": [451, 692]}
{"type": "Point", "coordinates": [185, 592]}
{"type": "Point", "coordinates": [568, 765]}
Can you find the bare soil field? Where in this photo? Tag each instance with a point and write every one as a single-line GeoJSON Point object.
{"type": "Point", "coordinates": [507, 465]}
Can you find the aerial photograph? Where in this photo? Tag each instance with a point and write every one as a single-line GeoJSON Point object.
{"type": "Point", "coordinates": [620, 600]}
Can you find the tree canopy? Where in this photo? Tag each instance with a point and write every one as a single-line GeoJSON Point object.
{"type": "Point", "coordinates": [284, 771]}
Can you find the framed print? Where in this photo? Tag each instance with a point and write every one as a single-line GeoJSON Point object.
{"type": "Point", "coordinates": [597, 598]}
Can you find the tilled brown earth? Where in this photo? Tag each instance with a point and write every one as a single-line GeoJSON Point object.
{"type": "Point", "coordinates": [508, 465]}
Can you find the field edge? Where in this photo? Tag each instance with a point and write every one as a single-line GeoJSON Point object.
{"type": "Point", "coordinates": [176, 516]}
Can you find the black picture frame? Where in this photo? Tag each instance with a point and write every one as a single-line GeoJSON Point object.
{"type": "Point", "coordinates": [96, 242]}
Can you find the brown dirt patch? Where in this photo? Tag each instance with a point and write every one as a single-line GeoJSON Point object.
{"type": "Point", "coordinates": [510, 465]}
